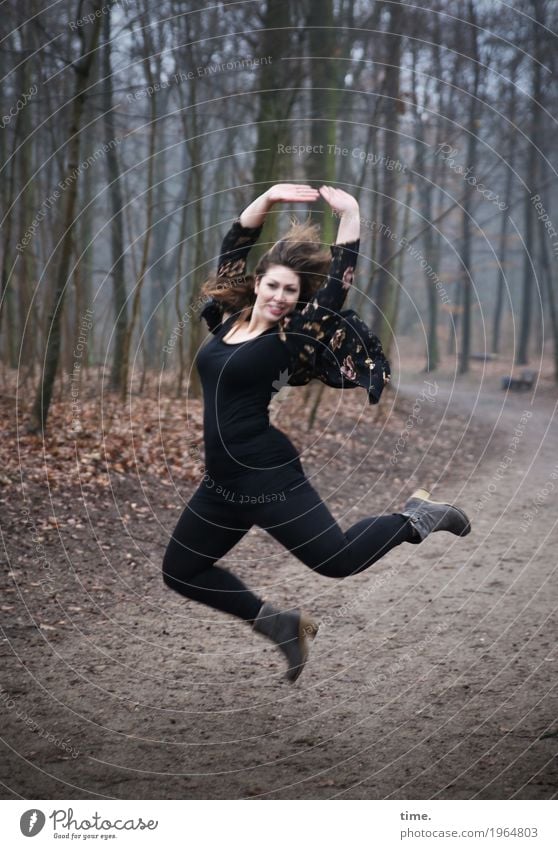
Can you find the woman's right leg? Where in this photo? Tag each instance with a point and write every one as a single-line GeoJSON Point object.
{"type": "Point", "coordinates": [207, 529]}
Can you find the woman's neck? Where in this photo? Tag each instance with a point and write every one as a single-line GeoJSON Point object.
{"type": "Point", "coordinates": [248, 326]}
{"type": "Point", "coordinates": [254, 324]}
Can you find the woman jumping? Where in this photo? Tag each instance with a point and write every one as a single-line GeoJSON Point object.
{"type": "Point", "coordinates": [284, 325]}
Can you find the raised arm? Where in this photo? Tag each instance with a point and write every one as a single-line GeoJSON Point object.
{"type": "Point", "coordinates": [246, 229]}
{"type": "Point", "coordinates": [244, 233]}
{"type": "Point", "coordinates": [346, 206]}
{"type": "Point", "coordinates": [348, 353]}
{"type": "Point", "coordinates": [232, 263]}
{"type": "Point", "coordinates": [330, 297]}
{"type": "Point", "coordinates": [254, 215]}
{"type": "Point", "coordinates": [235, 247]}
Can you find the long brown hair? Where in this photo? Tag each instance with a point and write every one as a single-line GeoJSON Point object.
{"type": "Point", "coordinates": [300, 250]}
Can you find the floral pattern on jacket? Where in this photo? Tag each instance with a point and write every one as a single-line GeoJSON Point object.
{"type": "Point", "coordinates": [325, 342]}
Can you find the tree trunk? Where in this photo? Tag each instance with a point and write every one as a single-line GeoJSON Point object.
{"type": "Point", "coordinates": [119, 303]}
{"type": "Point", "coordinates": [9, 262]}
{"type": "Point", "coordinates": [326, 81]}
{"type": "Point", "coordinates": [182, 238]}
{"type": "Point", "coordinates": [502, 259]}
{"type": "Point", "coordinates": [82, 68]}
{"type": "Point", "coordinates": [548, 285]}
{"type": "Point", "coordinates": [195, 389]}
{"type": "Point", "coordinates": [273, 106]}
{"type": "Point", "coordinates": [86, 240]}
{"type": "Point", "coordinates": [136, 301]}
{"type": "Point", "coordinates": [179, 267]}
{"type": "Point", "coordinates": [277, 92]}
{"type": "Point", "coordinates": [385, 295]}
{"type": "Point", "coordinates": [467, 247]}
{"type": "Point", "coordinates": [534, 135]}
{"type": "Point", "coordinates": [27, 308]}
{"type": "Point", "coordinates": [159, 271]}
{"type": "Point", "coordinates": [194, 213]}
{"type": "Point", "coordinates": [425, 186]}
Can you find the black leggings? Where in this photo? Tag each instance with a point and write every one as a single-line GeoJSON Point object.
{"type": "Point", "coordinates": [210, 526]}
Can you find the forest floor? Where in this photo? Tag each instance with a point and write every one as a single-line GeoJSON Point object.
{"type": "Point", "coordinates": [433, 675]}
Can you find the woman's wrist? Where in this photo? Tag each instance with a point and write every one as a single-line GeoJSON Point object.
{"type": "Point", "coordinates": [349, 226]}
{"type": "Point", "coordinates": [350, 211]}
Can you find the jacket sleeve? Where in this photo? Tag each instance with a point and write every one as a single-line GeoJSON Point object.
{"type": "Point", "coordinates": [332, 344]}
{"type": "Point", "coordinates": [235, 249]}
{"type": "Point", "coordinates": [233, 255]}
{"type": "Point", "coordinates": [212, 312]}
{"type": "Point", "coordinates": [320, 317]}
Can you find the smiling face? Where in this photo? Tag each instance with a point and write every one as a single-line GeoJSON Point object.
{"type": "Point", "coordinates": [277, 292]}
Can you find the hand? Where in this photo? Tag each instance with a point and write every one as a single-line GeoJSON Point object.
{"type": "Point", "coordinates": [340, 201]}
{"type": "Point", "coordinates": [291, 193]}
{"type": "Point", "coordinates": [254, 214]}
{"type": "Point", "coordinates": [346, 206]}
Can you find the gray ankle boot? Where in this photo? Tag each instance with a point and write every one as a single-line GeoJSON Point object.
{"type": "Point", "coordinates": [291, 630]}
{"type": "Point", "coordinates": [427, 516]}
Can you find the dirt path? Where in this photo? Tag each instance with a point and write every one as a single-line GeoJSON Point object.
{"type": "Point", "coordinates": [433, 675]}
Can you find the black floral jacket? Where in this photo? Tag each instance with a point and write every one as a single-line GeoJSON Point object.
{"type": "Point", "coordinates": [348, 354]}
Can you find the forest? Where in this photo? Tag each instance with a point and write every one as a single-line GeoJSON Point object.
{"type": "Point", "coordinates": [133, 134]}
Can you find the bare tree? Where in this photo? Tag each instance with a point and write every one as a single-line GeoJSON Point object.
{"type": "Point", "coordinates": [147, 53]}
{"type": "Point", "coordinates": [326, 81]}
{"type": "Point", "coordinates": [531, 177]}
{"type": "Point", "coordinates": [503, 247]}
{"type": "Point", "coordinates": [385, 293]}
{"type": "Point", "coordinates": [89, 38]}
{"type": "Point", "coordinates": [120, 308]}
{"type": "Point", "coordinates": [471, 164]}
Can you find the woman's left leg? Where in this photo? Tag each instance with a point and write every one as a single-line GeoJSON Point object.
{"type": "Point", "coordinates": [304, 525]}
